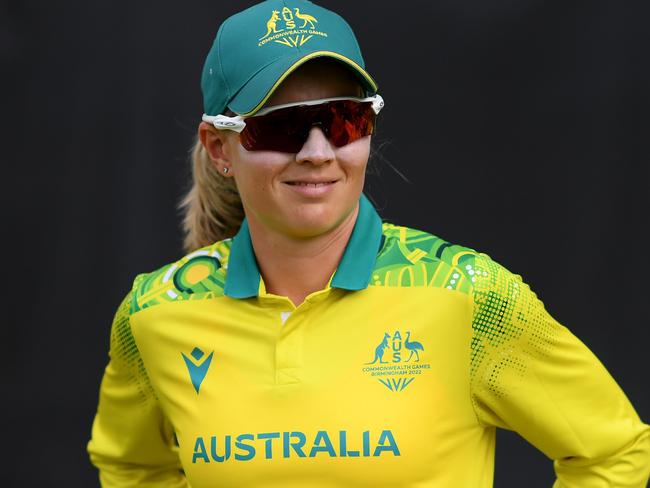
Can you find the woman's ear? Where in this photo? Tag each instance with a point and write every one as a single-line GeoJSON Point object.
{"type": "Point", "coordinates": [215, 143]}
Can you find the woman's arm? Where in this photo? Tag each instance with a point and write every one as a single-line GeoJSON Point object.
{"type": "Point", "coordinates": [531, 375]}
{"type": "Point", "coordinates": [132, 441]}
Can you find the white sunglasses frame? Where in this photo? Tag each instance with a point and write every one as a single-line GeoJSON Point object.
{"type": "Point", "coordinates": [238, 123]}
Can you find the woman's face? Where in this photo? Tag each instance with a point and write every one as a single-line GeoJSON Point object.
{"type": "Point", "coordinates": [272, 185]}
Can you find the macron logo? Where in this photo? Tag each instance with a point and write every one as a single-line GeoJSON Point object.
{"type": "Point", "coordinates": [197, 365]}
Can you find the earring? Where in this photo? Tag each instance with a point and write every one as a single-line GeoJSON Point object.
{"type": "Point", "coordinates": [225, 170]}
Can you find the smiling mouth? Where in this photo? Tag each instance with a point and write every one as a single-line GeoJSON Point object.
{"type": "Point", "coordinates": [306, 183]}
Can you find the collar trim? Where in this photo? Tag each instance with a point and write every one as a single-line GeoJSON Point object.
{"type": "Point", "coordinates": [354, 270]}
{"type": "Point", "coordinates": [243, 275]}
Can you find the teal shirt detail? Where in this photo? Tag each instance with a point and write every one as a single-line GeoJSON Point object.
{"type": "Point", "coordinates": [243, 275]}
{"type": "Point", "coordinates": [358, 261]}
{"type": "Point", "coordinates": [353, 272]}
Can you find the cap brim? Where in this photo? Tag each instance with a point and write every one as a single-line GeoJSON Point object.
{"type": "Point", "coordinates": [255, 93]}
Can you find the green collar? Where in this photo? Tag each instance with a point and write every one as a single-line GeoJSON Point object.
{"type": "Point", "coordinates": [353, 272]}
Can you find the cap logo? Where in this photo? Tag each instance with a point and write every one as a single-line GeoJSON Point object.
{"type": "Point", "coordinates": [284, 29]}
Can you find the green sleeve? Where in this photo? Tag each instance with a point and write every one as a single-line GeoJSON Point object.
{"type": "Point", "coordinates": [531, 375]}
{"type": "Point", "coordinates": [132, 441]}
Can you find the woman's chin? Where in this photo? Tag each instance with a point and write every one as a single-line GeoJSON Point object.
{"type": "Point", "coordinates": [313, 222]}
{"type": "Point", "coordinates": [306, 229]}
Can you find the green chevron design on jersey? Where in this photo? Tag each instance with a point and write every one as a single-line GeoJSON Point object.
{"type": "Point", "coordinates": [199, 275]}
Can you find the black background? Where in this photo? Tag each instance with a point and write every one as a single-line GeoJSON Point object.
{"type": "Point", "coordinates": [521, 127]}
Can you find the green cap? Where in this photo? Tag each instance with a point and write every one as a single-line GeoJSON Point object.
{"type": "Point", "coordinates": [256, 49]}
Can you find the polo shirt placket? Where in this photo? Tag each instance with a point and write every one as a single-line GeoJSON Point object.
{"type": "Point", "coordinates": [353, 274]}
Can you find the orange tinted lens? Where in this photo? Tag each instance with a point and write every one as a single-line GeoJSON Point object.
{"type": "Point", "coordinates": [351, 121]}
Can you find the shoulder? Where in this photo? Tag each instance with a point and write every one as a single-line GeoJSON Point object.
{"type": "Point", "coordinates": [197, 275]}
{"type": "Point", "coordinates": [412, 257]}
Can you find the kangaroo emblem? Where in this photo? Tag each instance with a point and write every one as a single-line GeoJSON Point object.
{"type": "Point", "coordinates": [379, 350]}
{"type": "Point", "coordinates": [306, 19]}
{"type": "Point", "coordinates": [271, 24]}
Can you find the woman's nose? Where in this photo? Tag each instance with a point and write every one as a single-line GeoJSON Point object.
{"type": "Point", "coordinates": [317, 149]}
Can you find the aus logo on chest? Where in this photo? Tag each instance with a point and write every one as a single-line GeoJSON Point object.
{"type": "Point", "coordinates": [397, 359]}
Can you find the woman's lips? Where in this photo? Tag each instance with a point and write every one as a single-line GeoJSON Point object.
{"type": "Point", "coordinates": [311, 188]}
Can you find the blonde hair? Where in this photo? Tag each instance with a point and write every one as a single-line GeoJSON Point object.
{"type": "Point", "coordinates": [212, 208]}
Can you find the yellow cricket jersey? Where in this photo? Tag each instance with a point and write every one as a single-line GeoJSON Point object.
{"type": "Point", "coordinates": [395, 375]}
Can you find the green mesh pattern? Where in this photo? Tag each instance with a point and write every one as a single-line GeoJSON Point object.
{"type": "Point", "coordinates": [494, 302]}
{"type": "Point", "coordinates": [198, 276]}
{"type": "Point", "coordinates": [124, 350]}
{"type": "Point", "coordinates": [510, 326]}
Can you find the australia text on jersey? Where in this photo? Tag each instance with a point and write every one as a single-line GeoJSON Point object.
{"type": "Point", "coordinates": [294, 444]}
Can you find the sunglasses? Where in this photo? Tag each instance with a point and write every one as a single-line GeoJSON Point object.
{"type": "Point", "coordinates": [285, 128]}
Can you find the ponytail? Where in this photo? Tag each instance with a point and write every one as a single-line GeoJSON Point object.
{"type": "Point", "coordinates": [212, 208]}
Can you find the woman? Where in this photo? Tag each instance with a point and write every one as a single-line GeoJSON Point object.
{"type": "Point", "coordinates": [320, 347]}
